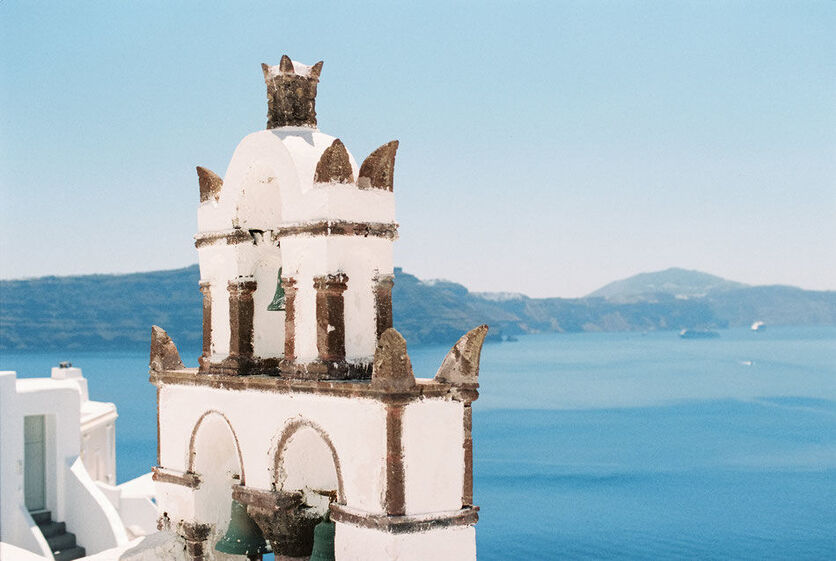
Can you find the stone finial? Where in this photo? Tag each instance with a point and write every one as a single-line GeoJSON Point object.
{"type": "Point", "coordinates": [164, 355]}
{"type": "Point", "coordinates": [461, 365]}
{"type": "Point", "coordinates": [378, 170]}
{"type": "Point", "coordinates": [210, 184]}
{"type": "Point", "coordinates": [291, 93]}
{"type": "Point", "coordinates": [334, 166]}
{"type": "Point", "coordinates": [392, 369]}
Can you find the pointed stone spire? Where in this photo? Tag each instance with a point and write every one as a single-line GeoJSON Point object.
{"type": "Point", "coordinates": [334, 166]}
{"type": "Point", "coordinates": [461, 365]}
{"type": "Point", "coordinates": [210, 184]}
{"type": "Point", "coordinates": [378, 170]}
{"type": "Point", "coordinates": [164, 355]}
{"type": "Point", "coordinates": [392, 369]}
{"type": "Point", "coordinates": [291, 93]}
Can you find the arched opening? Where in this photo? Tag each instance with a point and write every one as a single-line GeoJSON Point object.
{"type": "Point", "coordinates": [307, 462]}
{"type": "Point", "coordinates": [215, 456]}
{"type": "Point", "coordinates": [307, 473]}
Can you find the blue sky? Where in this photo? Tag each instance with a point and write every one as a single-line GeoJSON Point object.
{"type": "Point", "coordinates": [546, 148]}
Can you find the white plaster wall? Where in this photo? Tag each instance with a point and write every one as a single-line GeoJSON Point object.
{"type": "Point", "coordinates": [304, 258]}
{"type": "Point", "coordinates": [216, 459]}
{"type": "Point", "coordinates": [308, 466]}
{"type": "Point", "coordinates": [269, 182]}
{"type": "Point", "coordinates": [70, 493]}
{"type": "Point", "coordinates": [356, 427]}
{"type": "Point", "coordinates": [433, 435]}
{"type": "Point", "coordinates": [361, 259]}
{"type": "Point", "coordinates": [362, 544]}
{"type": "Point", "coordinates": [98, 443]}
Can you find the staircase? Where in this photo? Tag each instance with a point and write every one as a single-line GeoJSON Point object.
{"type": "Point", "coordinates": [61, 542]}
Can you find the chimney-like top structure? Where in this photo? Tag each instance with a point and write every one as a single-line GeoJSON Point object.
{"type": "Point", "coordinates": [291, 93]}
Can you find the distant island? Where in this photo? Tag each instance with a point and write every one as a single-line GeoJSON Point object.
{"type": "Point", "coordinates": [99, 312]}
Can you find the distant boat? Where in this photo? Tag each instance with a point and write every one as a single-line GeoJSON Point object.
{"type": "Point", "coordinates": [698, 334]}
{"type": "Point", "coordinates": [758, 326]}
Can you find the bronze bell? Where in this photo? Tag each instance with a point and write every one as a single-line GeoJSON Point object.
{"type": "Point", "coordinates": [243, 537]}
{"type": "Point", "coordinates": [323, 546]}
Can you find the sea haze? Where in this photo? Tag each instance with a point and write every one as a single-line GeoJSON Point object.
{"type": "Point", "coordinates": [611, 445]}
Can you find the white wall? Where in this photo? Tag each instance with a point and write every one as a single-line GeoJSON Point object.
{"type": "Point", "coordinates": [457, 543]}
{"type": "Point", "coordinates": [355, 426]}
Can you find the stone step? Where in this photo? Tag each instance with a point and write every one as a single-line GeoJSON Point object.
{"type": "Point", "coordinates": [70, 554]}
{"type": "Point", "coordinates": [52, 528]}
{"type": "Point", "coordinates": [61, 542]}
{"type": "Point", "coordinates": [41, 516]}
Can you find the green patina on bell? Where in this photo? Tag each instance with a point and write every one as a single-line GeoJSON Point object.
{"type": "Point", "coordinates": [277, 305]}
{"type": "Point", "coordinates": [323, 545]}
{"type": "Point", "coordinates": [243, 537]}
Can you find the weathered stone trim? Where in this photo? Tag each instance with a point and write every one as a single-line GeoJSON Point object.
{"type": "Point", "coordinates": [193, 452]}
{"type": "Point", "coordinates": [330, 316]}
{"type": "Point", "coordinates": [395, 498]}
{"type": "Point", "coordinates": [378, 169]}
{"type": "Point", "coordinates": [334, 165]}
{"type": "Point", "coordinates": [383, 302]}
{"type": "Point", "coordinates": [320, 370]}
{"type": "Point", "coordinates": [337, 388]}
{"type": "Point", "coordinates": [467, 445]}
{"type": "Point", "coordinates": [205, 289]}
{"type": "Point", "coordinates": [282, 519]}
{"type": "Point", "coordinates": [289, 285]}
{"type": "Point", "coordinates": [196, 536]}
{"type": "Point", "coordinates": [227, 237]}
{"type": "Point", "coordinates": [184, 478]}
{"type": "Point", "coordinates": [388, 230]}
{"type": "Point", "coordinates": [407, 524]}
{"type": "Point", "coordinates": [241, 323]}
{"type": "Point", "coordinates": [210, 184]}
{"type": "Point", "coordinates": [291, 98]}
{"type": "Point", "coordinates": [292, 428]}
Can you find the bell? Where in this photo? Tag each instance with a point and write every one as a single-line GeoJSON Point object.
{"type": "Point", "coordinates": [243, 537]}
{"type": "Point", "coordinates": [323, 544]}
{"type": "Point", "coordinates": [278, 304]}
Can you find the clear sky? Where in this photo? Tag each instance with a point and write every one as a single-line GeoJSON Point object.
{"type": "Point", "coordinates": [546, 148]}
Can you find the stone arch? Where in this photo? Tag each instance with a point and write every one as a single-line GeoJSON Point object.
{"type": "Point", "coordinates": [193, 442]}
{"type": "Point", "coordinates": [268, 325]}
{"type": "Point", "coordinates": [293, 428]}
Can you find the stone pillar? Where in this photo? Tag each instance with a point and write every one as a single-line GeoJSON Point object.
{"type": "Point", "coordinates": [207, 324]}
{"type": "Point", "coordinates": [330, 317]}
{"type": "Point", "coordinates": [383, 302]}
{"type": "Point", "coordinates": [241, 323]}
{"type": "Point", "coordinates": [289, 286]}
{"type": "Point", "coordinates": [196, 536]}
{"type": "Point", "coordinates": [467, 490]}
{"type": "Point", "coordinates": [395, 490]}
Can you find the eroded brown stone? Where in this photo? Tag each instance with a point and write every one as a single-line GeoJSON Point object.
{"type": "Point", "coordinates": [461, 365]}
{"type": "Point", "coordinates": [286, 522]}
{"type": "Point", "coordinates": [392, 369]}
{"type": "Point", "coordinates": [207, 324]}
{"type": "Point", "coordinates": [241, 323]}
{"type": "Point", "coordinates": [289, 285]}
{"type": "Point", "coordinates": [210, 184]}
{"type": "Point", "coordinates": [383, 302]}
{"type": "Point", "coordinates": [164, 355]}
{"type": "Point", "coordinates": [334, 165]}
{"type": "Point", "coordinates": [330, 316]}
{"type": "Point", "coordinates": [291, 98]}
{"type": "Point", "coordinates": [378, 170]}
{"type": "Point", "coordinates": [395, 487]}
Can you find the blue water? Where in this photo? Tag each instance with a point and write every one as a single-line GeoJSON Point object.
{"type": "Point", "coordinates": [612, 446]}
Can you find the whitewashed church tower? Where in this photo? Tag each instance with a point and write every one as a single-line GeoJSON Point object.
{"type": "Point", "coordinates": [305, 400]}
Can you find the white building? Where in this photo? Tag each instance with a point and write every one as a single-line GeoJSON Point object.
{"type": "Point", "coordinates": [304, 392]}
{"type": "Point", "coordinates": [58, 493]}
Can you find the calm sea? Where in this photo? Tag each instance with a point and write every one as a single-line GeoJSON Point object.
{"type": "Point", "coordinates": [612, 446]}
